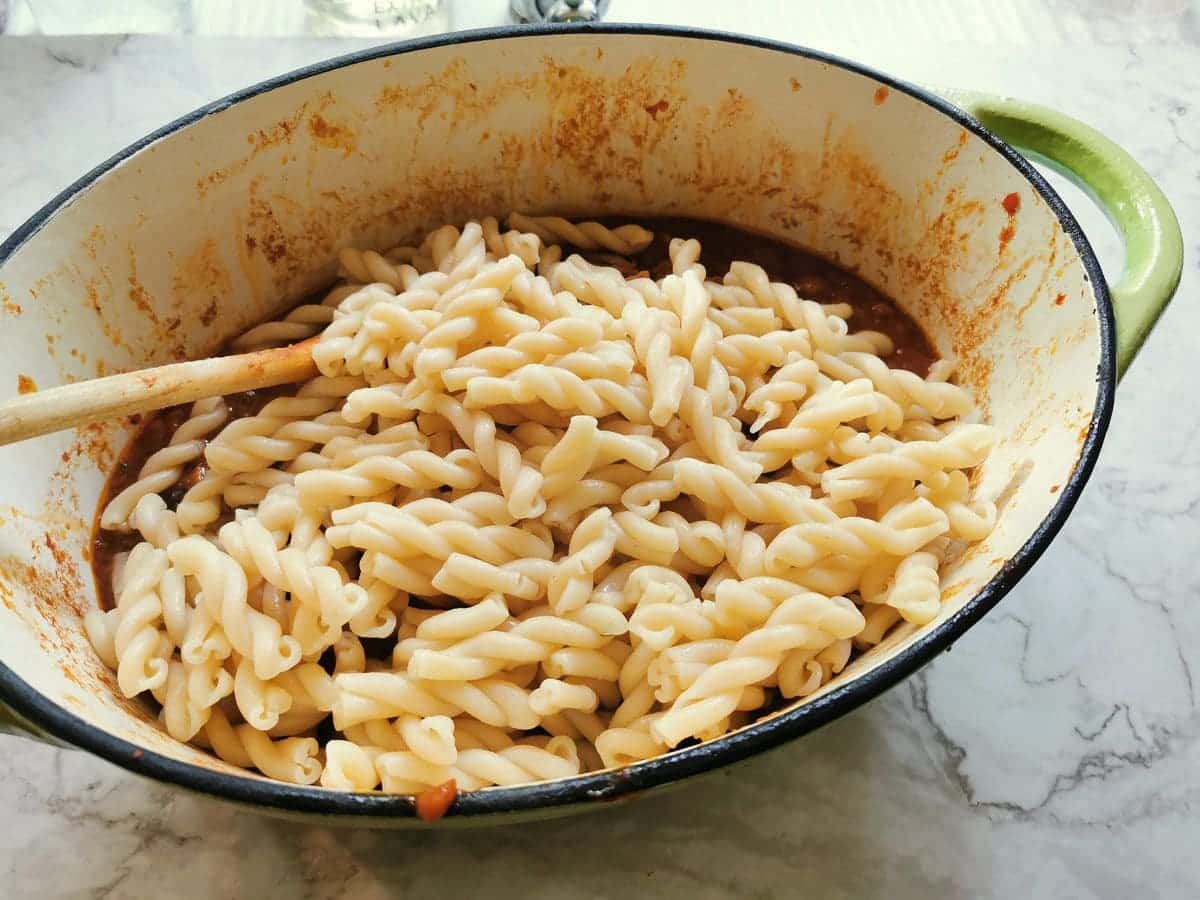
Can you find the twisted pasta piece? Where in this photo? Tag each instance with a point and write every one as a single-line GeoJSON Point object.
{"type": "Point", "coordinates": [585, 446]}
{"type": "Point", "coordinates": [458, 254]}
{"type": "Point", "coordinates": [385, 695]}
{"type": "Point", "coordinates": [462, 313]}
{"type": "Point", "coordinates": [970, 519]}
{"type": "Point", "coordinates": [759, 502]}
{"type": "Point", "coordinates": [139, 648]}
{"type": "Point", "coordinates": [363, 267]}
{"type": "Point", "coordinates": [435, 528]}
{"type": "Point", "coordinates": [188, 696]}
{"type": "Point", "coordinates": [963, 448]}
{"type": "Point", "coordinates": [519, 764]}
{"type": "Point", "coordinates": [789, 384]}
{"type": "Point", "coordinates": [698, 338]}
{"type": "Point", "coordinates": [500, 458]}
{"type": "Point", "coordinates": [665, 612]}
{"type": "Point", "coordinates": [740, 606]}
{"type": "Point", "coordinates": [814, 425]}
{"type": "Point", "coordinates": [648, 540]}
{"type": "Point", "coordinates": [300, 323]}
{"type": "Point", "coordinates": [399, 402]}
{"type": "Point", "coordinates": [553, 696]}
{"type": "Point", "coordinates": [204, 643]}
{"type": "Point", "coordinates": [879, 621]}
{"type": "Point", "coordinates": [903, 530]}
{"type": "Point", "coordinates": [309, 686]}
{"type": "Point", "coordinates": [164, 467]}
{"type": "Point", "coordinates": [344, 346]}
{"type": "Point", "coordinates": [916, 592]}
{"type": "Point", "coordinates": [828, 331]}
{"type": "Point", "coordinates": [743, 320]}
{"type": "Point", "coordinates": [534, 639]}
{"type": "Point", "coordinates": [937, 397]}
{"type": "Point", "coordinates": [260, 702]}
{"type": "Point", "coordinates": [556, 339]}
{"type": "Point", "coordinates": [294, 760]}
{"type": "Point", "coordinates": [431, 738]}
{"type": "Point", "coordinates": [154, 522]}
{"type": "Point", "coordinates": [806, 620]}
{"type": "Point", "coordinates": [527, 247]}
{"type": "Point", "coordinates": [623, 746]}
{"type": "Point", "coordinates": [350, 766]}
{"type": "Point", "coordinates": [748, 354]}
{"type": "Point", "coordinates": [201, 505]}
{"type": "Point", "coordinates": [459, 624]}
{"type": "Point", "coordinates": [562, 389]}
{"type": "Point", "coordinates": [802, 672]}
{"type": "Point", "coordinates": [401, 536]}
{"type": "Point", "coordinates": [419, 469]}
{"type": "Point", "coordinates": [592, 545]}
{"type": "Point", "coordinates": [223, 582]}
{"type": "Point", "coordinates": [624, 240]}
{"type": "Point", "coordinates": [324, 603]}
{"type": "Point", "coordinates": [405, 772]}
{"type": "Point", "coordinates": [472, 579]}
{"type": "Point", "coordinates": [716, 437]}
{"type": "Point", "coordinates": [701, 544]}
{"type": "Point", "coordinates": [283, 429]}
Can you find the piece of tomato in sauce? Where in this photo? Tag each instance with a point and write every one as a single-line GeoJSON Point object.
{"type": "Point", "coordinates": [435, 802]}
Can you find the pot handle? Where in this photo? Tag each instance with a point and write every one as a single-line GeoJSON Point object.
{"type": "Point", "coordinates": [1119, 185]}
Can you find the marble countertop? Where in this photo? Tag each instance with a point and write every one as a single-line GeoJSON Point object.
{"type": "Point", "coordinates": [1054, 753]}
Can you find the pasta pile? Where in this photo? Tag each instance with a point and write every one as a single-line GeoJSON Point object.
{"type": "Point", "coordinates": [534, 517]}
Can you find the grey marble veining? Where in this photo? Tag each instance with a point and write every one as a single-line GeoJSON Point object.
{"type": "Point", "coordinates": [1055, 752]}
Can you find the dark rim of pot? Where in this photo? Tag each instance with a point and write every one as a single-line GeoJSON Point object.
{"type": "Point", "coordinates": [676, 765]}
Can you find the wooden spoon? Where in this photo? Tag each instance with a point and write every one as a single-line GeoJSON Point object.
{"type": "Point", "coordinates": [55, 409]}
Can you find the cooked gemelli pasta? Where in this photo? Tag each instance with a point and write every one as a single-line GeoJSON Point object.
{"type": "Point", "coordinates": [563, 496]}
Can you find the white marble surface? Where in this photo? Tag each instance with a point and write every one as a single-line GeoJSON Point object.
{"type": "Point", "coordinates": [1054, 753]}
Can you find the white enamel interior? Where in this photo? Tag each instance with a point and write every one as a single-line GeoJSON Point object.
{"type": "Point", "coordinates": [229, 219]}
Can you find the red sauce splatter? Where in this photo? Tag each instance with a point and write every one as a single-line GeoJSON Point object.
{"type": "Point", "coordinates": [1054, 488]}
{"type": "Point", "coordinates": [1011, 203]}
{"type": "Point", "coordinates": [1006, 235]}
{"type": "Point", "coordinates": [330, 135]}
{"type": "Point", "coordinates": [436, 802]}
{"type": "Point", "coordinates": [61, 558]}
{"type": "Point", "coordinates": [25, 384]}
{"type": "Point", "coordinates": [655, 108]}
{"type": "Point", "coordinates": [881, 95]}
{"type": "Point", "coordinates": [139, 297]}
{"type": "Point", "coordinates": [1060, 299]}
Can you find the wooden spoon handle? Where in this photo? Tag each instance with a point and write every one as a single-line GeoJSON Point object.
{"type": "Point", "coordinates": [63, 407]}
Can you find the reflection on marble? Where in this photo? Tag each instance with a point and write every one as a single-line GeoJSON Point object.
{"type": "Point", "coordinates": [1055, 752]}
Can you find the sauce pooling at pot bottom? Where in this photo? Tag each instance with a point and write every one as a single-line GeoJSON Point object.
{"type": "Point", "coordinates": [813, 278]}
{"type": "Point", "coordinates": [154, 434]}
